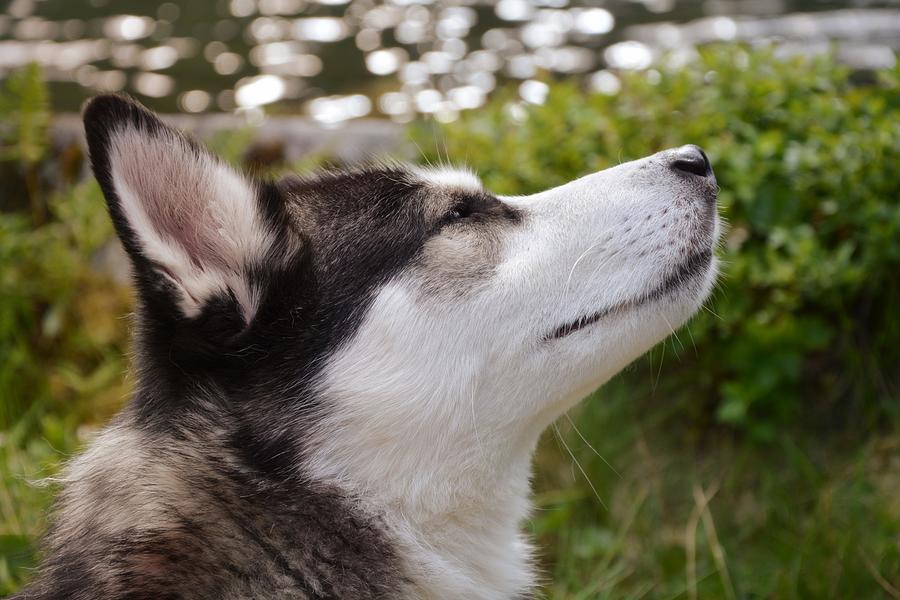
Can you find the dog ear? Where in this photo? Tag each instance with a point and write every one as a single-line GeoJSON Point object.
{"type": "Point", "coordinates": [194, 227]}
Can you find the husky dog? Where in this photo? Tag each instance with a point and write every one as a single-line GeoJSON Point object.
{"type": "Point", "coordinates": [341, 379]}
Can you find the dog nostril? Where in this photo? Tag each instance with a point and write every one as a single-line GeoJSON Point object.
{"type": "Point", "coordinates": [691, 159]}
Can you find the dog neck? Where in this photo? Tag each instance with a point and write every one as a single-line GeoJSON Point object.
{"type": "Point", "coordinates": [454, 508]}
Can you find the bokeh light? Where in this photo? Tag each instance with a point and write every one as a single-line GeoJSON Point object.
{"type": "Point", "coordinates": [405, 57]}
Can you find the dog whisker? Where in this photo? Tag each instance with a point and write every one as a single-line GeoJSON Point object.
{"type": "Point", "coordinates": [580, 468]}
{"type": "Point", "coordinates": [594, 450]}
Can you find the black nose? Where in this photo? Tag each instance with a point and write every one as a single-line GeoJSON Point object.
{"type": "Point", "coordinates": [691, 159]}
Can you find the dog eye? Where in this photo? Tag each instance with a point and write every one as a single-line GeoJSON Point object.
{"type": "Point", "coordinates": [457, 213]}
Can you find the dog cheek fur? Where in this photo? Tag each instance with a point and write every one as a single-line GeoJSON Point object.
{"type": "Point", "coordinates": [453, 265]}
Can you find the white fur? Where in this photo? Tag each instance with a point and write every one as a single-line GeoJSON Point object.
{"type": "Point", "coordinates": [450, 177]}
{"type": "Point", "coordinates": [436, 404]}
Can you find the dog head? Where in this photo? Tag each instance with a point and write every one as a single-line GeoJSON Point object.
{"type": "Point", "coordinates": [395, 323]}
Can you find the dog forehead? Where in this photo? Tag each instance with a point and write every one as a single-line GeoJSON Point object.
{"type": "Point", "coordinates": [396, 191]}
{"type": "Point", "coordinates": [344, 191]}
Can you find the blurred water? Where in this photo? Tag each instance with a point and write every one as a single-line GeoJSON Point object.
{"type": "Point", "coordinates": [341, 59]}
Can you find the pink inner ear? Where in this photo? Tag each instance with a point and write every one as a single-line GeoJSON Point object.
{"type": "Point", "coordinates": [190, 199]}
{"type": "Point", "coordinates": [191, 214]}
{"type": "Point", "coordinates": [173, 183]}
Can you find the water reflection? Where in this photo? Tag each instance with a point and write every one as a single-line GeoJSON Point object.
{"type": "Point", "coordinates": [258, 91]}
{"type": "Point", "coordinates": [343, 59]}
{"type": "Point", "coordinates": [128, 27]}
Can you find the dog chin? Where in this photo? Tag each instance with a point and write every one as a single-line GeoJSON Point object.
{"type": "Point", "coordinates": [679, 294]}
{"type": "Point", "coordinates": [680, 304]}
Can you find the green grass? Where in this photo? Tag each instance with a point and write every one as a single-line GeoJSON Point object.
{"type": "Point", "coordinates": [804, 517]}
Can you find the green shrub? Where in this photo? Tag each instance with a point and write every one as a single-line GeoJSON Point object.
{"type": "Point", "coordinates": [62, 331]}
{"type": "Point", "coordinates": [24, 119]}
{"type": "Point", "coordinates": [806, 321]}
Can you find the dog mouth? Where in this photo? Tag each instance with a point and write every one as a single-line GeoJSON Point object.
{"type": "Point", "coordinates": [694, 266]}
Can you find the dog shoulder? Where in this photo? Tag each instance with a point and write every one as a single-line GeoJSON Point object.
{"type": "Point", "coordinates": [146, 514]}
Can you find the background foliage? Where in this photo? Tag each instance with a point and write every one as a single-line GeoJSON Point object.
{"type": "Point", "coordinates": [62, 336]}
{"type": "Point", "coordinates": [755, 455]}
